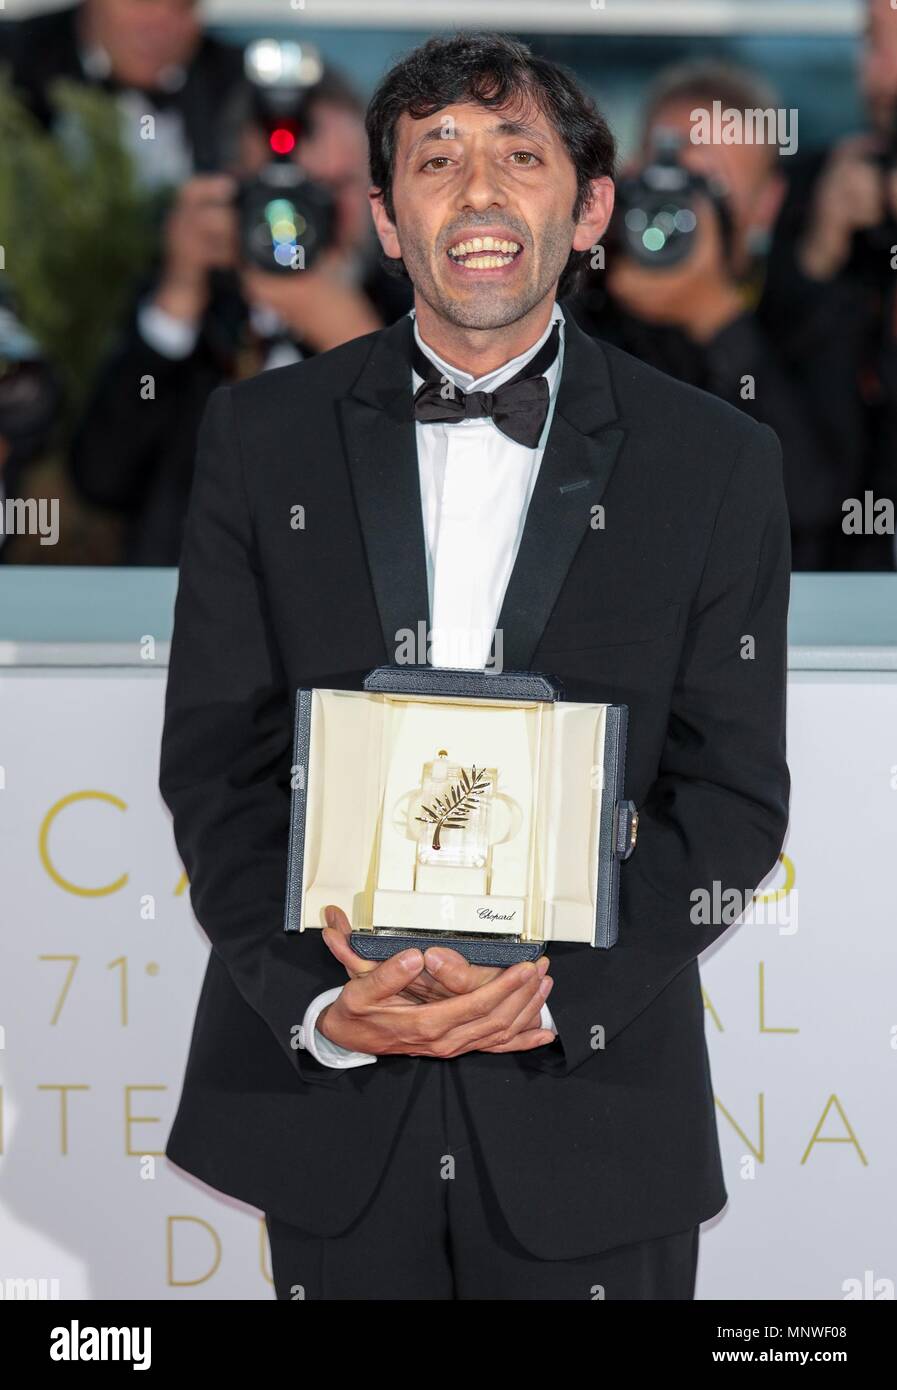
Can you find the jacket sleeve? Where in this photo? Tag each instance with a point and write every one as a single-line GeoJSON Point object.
{"type": "Point", "coordinates": [718, 808]}
{"type": "Point", "coordinates": [227, 747]}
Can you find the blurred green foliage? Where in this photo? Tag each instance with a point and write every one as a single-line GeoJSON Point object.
{"type": "Point", "coordinates": [77, 231]}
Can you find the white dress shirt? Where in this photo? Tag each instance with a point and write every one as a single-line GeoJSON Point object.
{"type": "Point", "coordinates": [476, 486]}
{"type": "Point", "coordinates": [163, 159]}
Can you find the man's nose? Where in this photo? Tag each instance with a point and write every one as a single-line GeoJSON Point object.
{"type": "Point", "coordinates": [481, 186]}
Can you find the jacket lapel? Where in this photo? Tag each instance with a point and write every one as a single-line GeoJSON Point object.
{"type": "Point", "coordinates": [576, 466]}
{"type": "Point", "coordinates": [381, 451]}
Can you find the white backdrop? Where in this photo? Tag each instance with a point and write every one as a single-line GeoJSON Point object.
{"type": "Point", "coordinates": [101, 962]}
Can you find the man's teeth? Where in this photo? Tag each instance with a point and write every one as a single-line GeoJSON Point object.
{"type": "Point", "coordinates": [485, 262]}
{"type": "Point", "coordinates": [498, 252]}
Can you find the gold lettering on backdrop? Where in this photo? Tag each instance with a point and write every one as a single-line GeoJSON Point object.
{"type": "Point", "coordinates": [44, 851]}
{"type": "Point", "coordinates": [759, 1153]}
{"type": "Point", "coordinates": [711, 1010]}
{"type": "Point", "coordinates": [849, 1138]}
{"type": "Point", "coordinates": [64, 1109]}
{"type": "Point", "coordinates": [763, 1027]}
{"type": "Point", "coordinates": [140, 1120]}
{"type": "Point", "coordinates": [65, 987]}
{"type": "Point", "coordinates": [185, 1283]}
{"type": "Point", "coordinates": [123, 992]}
{"type": "Point", "coordinates": [74, 962]}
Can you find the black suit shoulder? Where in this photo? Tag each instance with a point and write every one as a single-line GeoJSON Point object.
{"type": "Point", "coordinates": [292, 412]}
{"type": "Point", "coordinates": [685, 439]}
{"type": "Point", "coordinates": [691, 448]}
{"type": "Point", "coordinates": [313, 379]}
{"type": "Point", "coordinates": [643, 392]}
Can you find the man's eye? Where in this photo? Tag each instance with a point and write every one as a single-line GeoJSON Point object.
{"type": "Point", "coordinates": [525, 158]}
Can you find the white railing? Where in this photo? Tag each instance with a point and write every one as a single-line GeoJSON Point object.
{"type": "Point", "coordinates": [531, 16]}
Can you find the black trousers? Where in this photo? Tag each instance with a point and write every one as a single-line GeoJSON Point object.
{"type": "Point", "coordinates": [433, 1230]}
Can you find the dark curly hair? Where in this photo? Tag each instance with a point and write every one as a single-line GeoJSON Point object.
{"type": "Point", "coordinates": [492, 70]}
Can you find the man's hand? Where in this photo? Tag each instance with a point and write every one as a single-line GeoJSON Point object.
{"type": "Point", "coordinates": [318, 305]}
{"type": "Point", "coordinates": [698, 295]}
{"type": "Point", "coordinates": [850, 195]}
{"type": "Point", "coordinates": [468, 1008]}
{"type": "Point", "coordinates": [200, 235]}
{"type": "Point", "coordinates": [456, 975]}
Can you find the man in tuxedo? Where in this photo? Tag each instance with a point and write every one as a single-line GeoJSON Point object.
{"type": "Point", "coordinates": [424, 1128]}
{"type": "Point", "coordinates": [156, 59]}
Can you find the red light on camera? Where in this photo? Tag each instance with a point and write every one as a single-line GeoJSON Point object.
{"type": "Point", "coordinates": [282, 141]}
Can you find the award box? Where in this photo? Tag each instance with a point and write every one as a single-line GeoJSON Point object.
{"type": "Point", "coordinates": [482, 811]}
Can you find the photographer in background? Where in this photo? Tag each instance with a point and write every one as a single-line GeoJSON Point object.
{"type": "Point", "coordinates": [154, 56]}
{"type": "Point", "coordinates": [832, 272]}
{"type": "Point", "coordinates": [214, 315]}
{"type": "Point", "coordinates": [693, 304]}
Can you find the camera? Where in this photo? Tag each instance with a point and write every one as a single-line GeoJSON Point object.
{"type": "Point", "coordinates": [655, 218]}
{"type": "Point", "coordinates": [285, 219]}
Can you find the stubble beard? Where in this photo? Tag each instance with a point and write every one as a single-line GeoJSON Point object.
{"type": "Point", "coordinates": [490, 307]}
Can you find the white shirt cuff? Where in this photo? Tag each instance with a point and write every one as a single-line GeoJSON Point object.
{"type": "Point", "coordinates": [328, 1053]}
{"type": "Point", "coordinates": [170, 337]}
{"type": "Point", "coordinates": [545, 1019]}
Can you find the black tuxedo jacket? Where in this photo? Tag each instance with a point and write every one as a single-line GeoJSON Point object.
{"type": "Point", "coordinates": [137, 457]}
{"type": "Point", "coordinates": [676, 606]}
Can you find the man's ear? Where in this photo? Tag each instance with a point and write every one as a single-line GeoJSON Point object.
{"type": "Point", "coordinates": [385, 227]}
{"type": "Point", "coordinates": [595, 215]}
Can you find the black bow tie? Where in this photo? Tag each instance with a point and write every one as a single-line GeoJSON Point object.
{"type": "Point", "coordinates": [518, 408]}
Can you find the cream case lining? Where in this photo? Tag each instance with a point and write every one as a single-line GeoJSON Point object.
{"type": "Point", "coordinates": [366, 754]}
